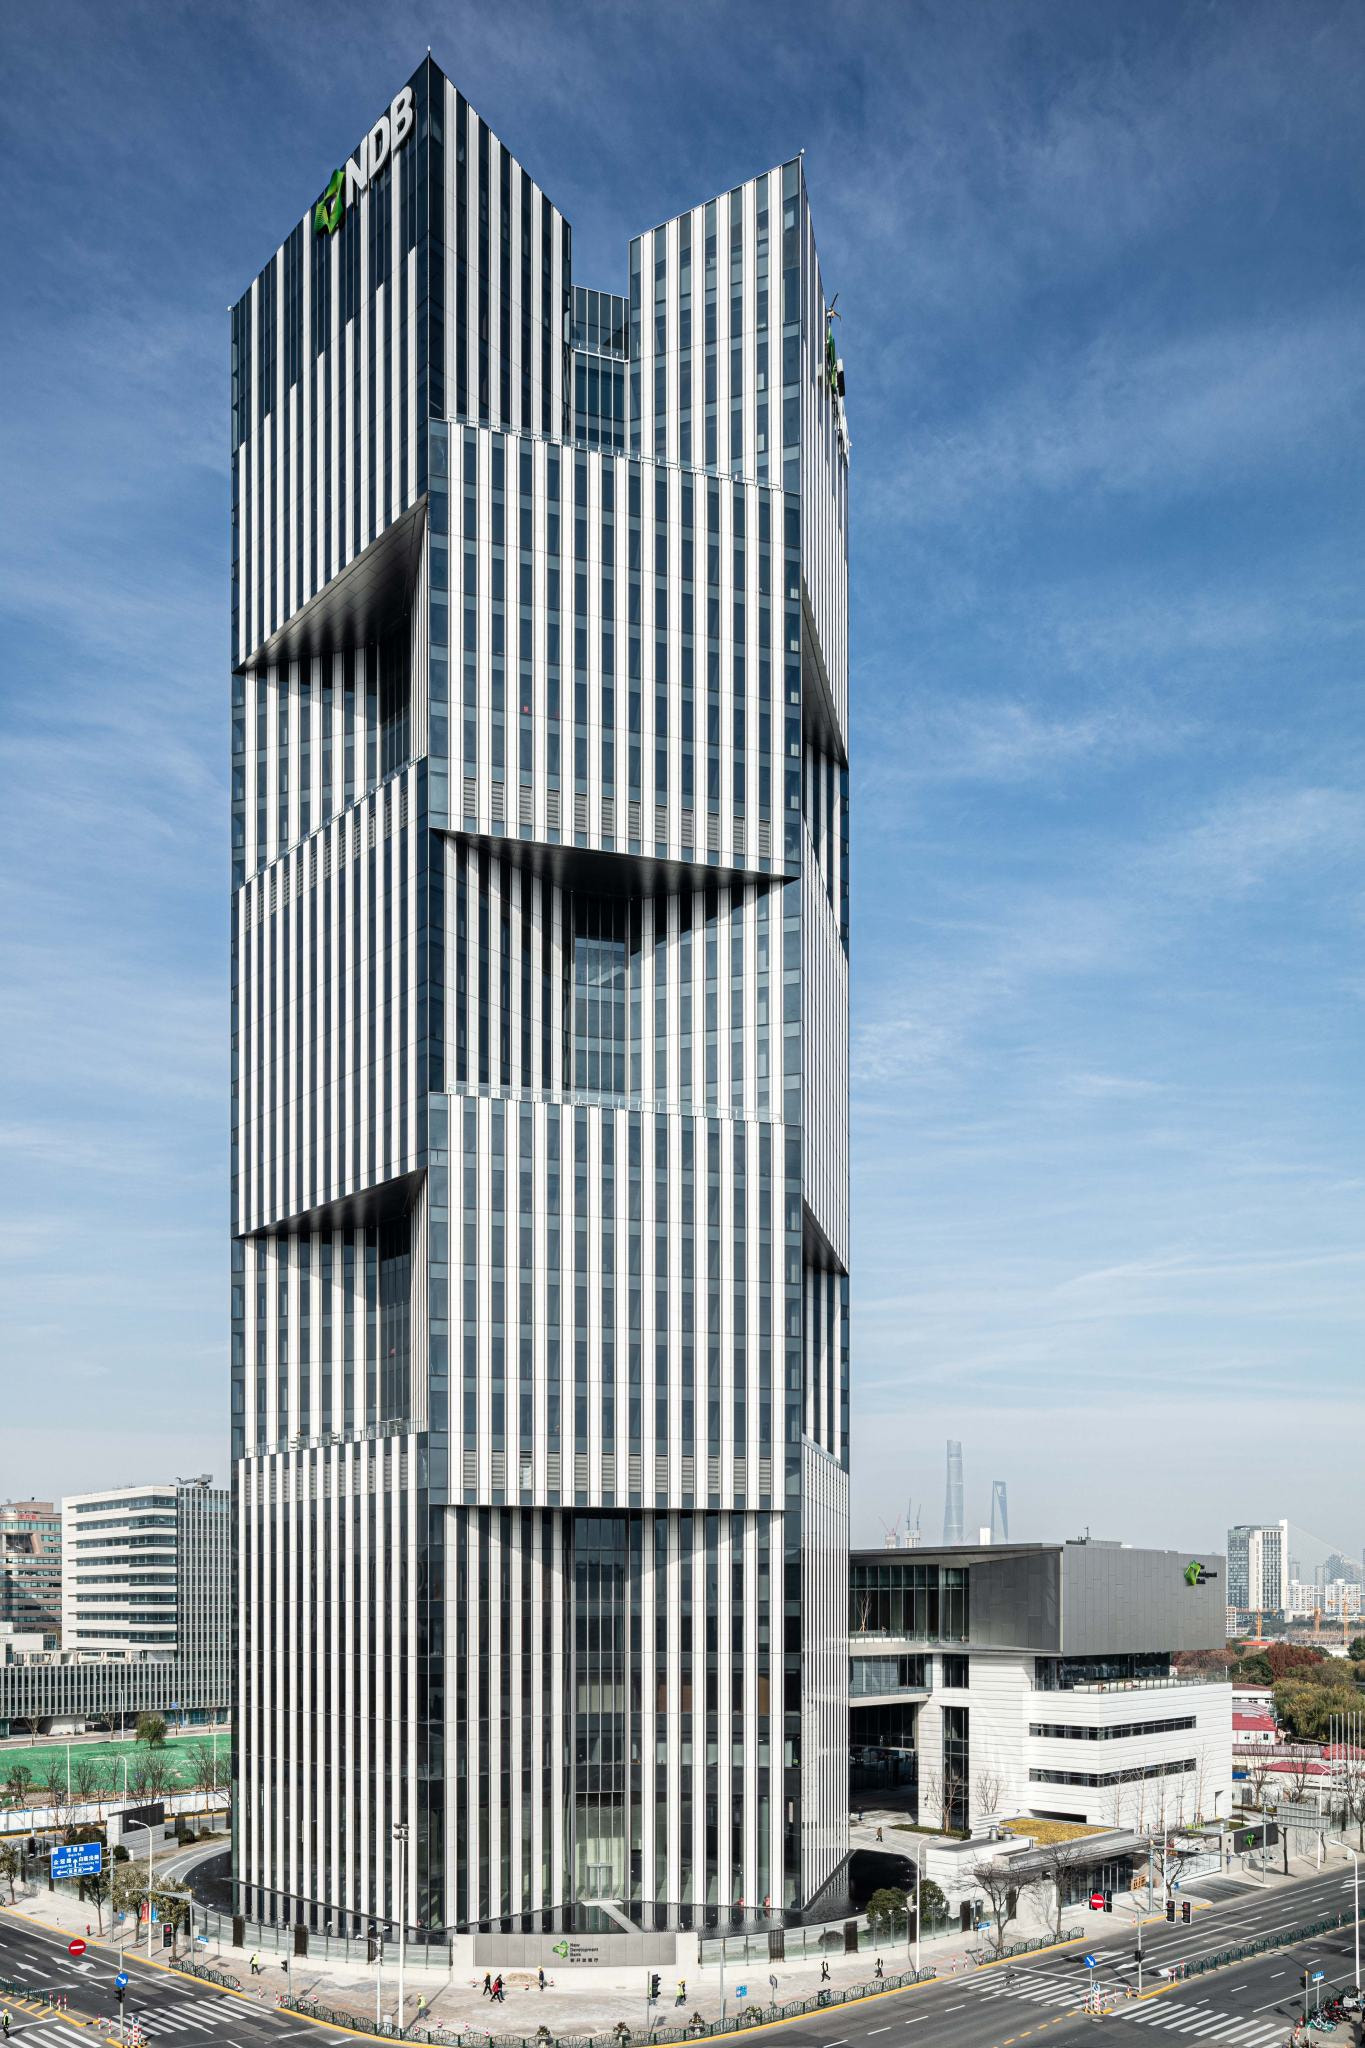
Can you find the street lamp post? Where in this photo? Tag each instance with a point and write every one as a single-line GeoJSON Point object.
{"type": "Point", "coordinates": [150, 1838]}
{"type": "Point", "coordinates": [400, 1835]}
{"type": "Point", "coordinates": [919, 1880]}
{"type": "Point", "coordinates": [1355, 1903]}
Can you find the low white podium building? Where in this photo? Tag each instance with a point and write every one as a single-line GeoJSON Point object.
{"type": "Point", "coordinates": [1028, 1680]}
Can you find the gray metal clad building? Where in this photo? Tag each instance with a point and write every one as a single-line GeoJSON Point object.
{"type": "Point", "coordinates": [1043, 1672]}
{"type": "Point", "coordinates": [539, 1048]}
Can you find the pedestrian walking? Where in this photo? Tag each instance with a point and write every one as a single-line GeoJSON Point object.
{"type": "Point", "coordinates": [772, 1986]}
{"type": "Point", "coordinates": [681, 1998]}
{"type": "Point", "coordinates": [878, 1971]}
{"type": "Point", "coordinates": [879, 1834]}
{"type": "Point", "coordinates": [421, 2004]}
{"type": "Point", "coordinates": [488, 1983]}
{"type": "Point", "coordinates": [499, 1995]}
{"type": "Point", "coordinates": [824, 1973]}
{"type": "Point", "coordinates": [4, 2022]}
{"type": "Point", "coordinates": [540, 1978]}
{"type": "Point", "coordinates": [255, 1966]}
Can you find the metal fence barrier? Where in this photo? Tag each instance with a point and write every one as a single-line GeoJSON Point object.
{"type": "Point", "coordinates": [1265, 1944]}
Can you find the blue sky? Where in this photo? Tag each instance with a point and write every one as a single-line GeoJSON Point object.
{"type": "Point", "coordinates": [1100, 268]}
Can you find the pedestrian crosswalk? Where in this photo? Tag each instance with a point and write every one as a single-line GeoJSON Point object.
{"type": "Point", "coordinates": [186, 2016]}
{"type": "Point", "coordinates": [1192, 2019]}
{"type": "Point", "coordinates": [1035, 1987]}
{"type": "Point", "coordinates": [1203, 2022]}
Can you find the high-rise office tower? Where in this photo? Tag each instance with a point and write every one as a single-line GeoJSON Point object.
{"type": "Point", "coordinates": [1259, 1567]}
{"type": "Point", "coordinates": [540, 928]}
{"type": "Point", "coordinates": [31, 1566]}
{"type": "Point", "coordinates": [952, 1494]}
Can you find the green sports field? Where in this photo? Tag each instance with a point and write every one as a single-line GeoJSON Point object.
{"type": "Point", "coordinates": [177, 1754]}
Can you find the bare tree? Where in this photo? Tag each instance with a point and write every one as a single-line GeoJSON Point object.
{"type": "Point", "coordinates": [85, 1781]}
{"type": "Point", "coordinates": [1201, 1772]}
{"type": "Point", "coordinates": [21, 1786]}
{"type": "Point", "coordinates": [1119, 1798]}
{"type": "Point", "coordinates": [157, 1777]}
{"type": "Point", "coordinates": [1257, 1765]}
{"type": "Point", "coordinates": [1061, 1861]}
{"type": "Point", "coordinates": [208, 1771]}
{"type": "Point", "coordinates": [954, 1798]}
{"type": "Point", "coordinates": [1004, 1888]}
{"type": "Point", "coordinates": [987, 1792]}
{"type": "Point", "coordinates": [55, 1796]}
{"type": "Point", "coordinates": [1301, 1758]}
{"type": "Point", "coordinates": [931, 1793]}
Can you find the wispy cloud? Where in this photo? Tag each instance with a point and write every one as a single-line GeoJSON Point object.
{"type": "Point", "coordinates": [1131, 412]}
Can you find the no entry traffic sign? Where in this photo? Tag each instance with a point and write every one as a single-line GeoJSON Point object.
{"type": "Point", "coordinates": [75, 1948]}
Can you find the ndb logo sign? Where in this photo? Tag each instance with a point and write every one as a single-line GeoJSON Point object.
{"type": "Point", "coordinates": [1197, 1574]}
{"type": "Point", "coordinates": [345, 186]}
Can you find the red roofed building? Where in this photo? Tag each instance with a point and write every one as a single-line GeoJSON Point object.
{"type": "Point", "coordinates": [1249, 1730]}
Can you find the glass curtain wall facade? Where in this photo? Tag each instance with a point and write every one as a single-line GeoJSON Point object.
{"type": "Point", "coordinates": [539, 1014]}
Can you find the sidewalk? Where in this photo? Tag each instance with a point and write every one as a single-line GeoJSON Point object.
{"type": "Point", "coordinates": [584, 2001]}
{"type": "Point", "coordinates": [591, 2000]}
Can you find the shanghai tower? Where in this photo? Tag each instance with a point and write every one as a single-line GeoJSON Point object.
{"type": "Point", "coordinates": [539, 1057]}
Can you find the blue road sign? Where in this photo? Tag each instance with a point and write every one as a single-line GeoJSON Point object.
{"type": "Point", "coordinates": [741, 1991]}
{"type": "Point", "coordinates": [1091, 1962]}
{"type": "Point", "coordinates": [79, 1859]}
{"type": "Point", "coordinates": [121, 1981]}
{"type": "Point", "coordinates": [1317, 1976]}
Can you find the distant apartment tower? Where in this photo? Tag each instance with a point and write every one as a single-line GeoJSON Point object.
{"type": "Point", "coordinates": [31, 1566]}
{"type": "Point", "coordinates": [145, 1573]}
{"type": "Point", "coordinates": [1258, 1567]}
{"type": "Point", "coordinates": [540, 1055]}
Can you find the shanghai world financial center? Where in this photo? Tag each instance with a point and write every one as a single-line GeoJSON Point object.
{"type": "Point", "coordinates": [539, 1021]}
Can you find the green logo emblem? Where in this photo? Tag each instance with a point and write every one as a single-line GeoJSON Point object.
{"type": "Point", "coordinates": [1194, 1573]}
{"type": "Point", "coordinates": [561, 1948]}
{"type": "Point", "coordinates": [329, 209]}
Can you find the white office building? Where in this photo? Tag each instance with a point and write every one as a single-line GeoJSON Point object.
{"type": "Point", "coordinates": [146, 1576]}
{"type": "Point", "coordinates": [1018, 1681]}
{"type": "Point", "coordinates": [1258, 1568]}
{"type": "Point", "coordinates": [539, 996]}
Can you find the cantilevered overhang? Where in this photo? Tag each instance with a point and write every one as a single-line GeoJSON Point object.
{"type": "Point", "coordinates": [362, 602]}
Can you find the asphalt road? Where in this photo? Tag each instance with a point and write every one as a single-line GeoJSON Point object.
{"type": "Point", "coordinates": [171, 2008]}
{"type": "Point", "coordinates": [1247, 2005]}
